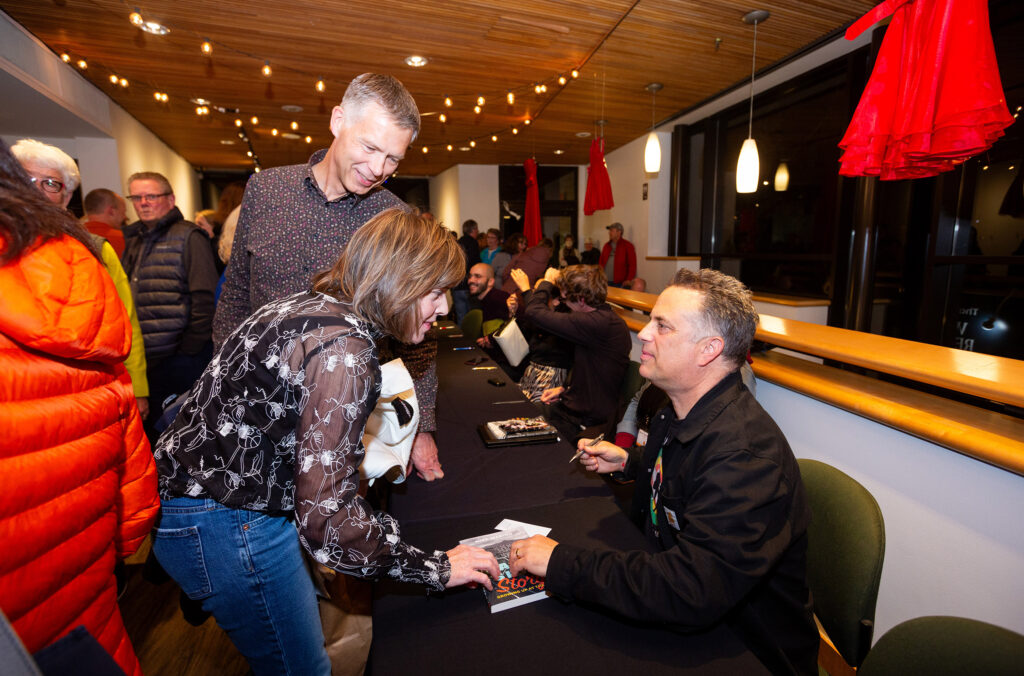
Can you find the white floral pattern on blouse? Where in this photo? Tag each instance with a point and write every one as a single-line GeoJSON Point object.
{"type": "Point", "coordinates": [275, 425]}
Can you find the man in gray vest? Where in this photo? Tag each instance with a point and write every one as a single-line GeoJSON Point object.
{"type": "Point", "coordinates": [173, 277]}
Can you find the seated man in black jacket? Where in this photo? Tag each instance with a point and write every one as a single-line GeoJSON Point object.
{"type": "Point", "coordinates": [718, 493]}
{"type": "Point", "coordinates": [600, 342]}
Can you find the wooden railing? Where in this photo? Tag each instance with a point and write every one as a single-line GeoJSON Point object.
{"type": "Point", "coordinates": [992, 437]}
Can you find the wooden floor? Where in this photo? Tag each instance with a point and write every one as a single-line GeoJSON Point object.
{"type": "Point", "coordinates": [165, 643]}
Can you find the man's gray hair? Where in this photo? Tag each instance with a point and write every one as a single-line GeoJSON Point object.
{"type": "Point", "coordinates": [151, 176]}
{"type": "Point", "coordinates": [387, 92]}
{"type": "Point", "coordinates": [51, 157]}
{"type": "Point", "coordinates": [727, 309]}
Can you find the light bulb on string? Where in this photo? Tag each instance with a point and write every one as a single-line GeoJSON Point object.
{"type": "Point", "coordinates": [113, 79]}
{"type": "Point", "coordinates": [135, 18]}
{"type": "Point", "coordinates": [472, 144]}
{"type": "Point", "coordinates": [477, 109]}
{"type": "Point", "coordinates": [425, 150]}
{"type": "Point", "coordinates": [65, 57]}
{"type": "Point", "coordinates": [273, 132]}
{"type": "Point", "coordinates": [238, 123]}
{"type": "Point", "coordinates": [82, 64]}
{"type": "Point", "coordinates": [442, 118]}
{"type": "Point", "coordinates": [320, 86]}
{"type": "Point", "coordinates": [267, 72]}
{"type": "Point", "coordinates": [255, 120]}
{"type": "Point", "coordinates": [206, 48]}
{"type": "Point", "coordinates": [448, 101]}
{"type": "Point", "coordinates": [562, 80]}
{"type": "Point", "coordinates": [514, 131]}
{"type": "Point", "coordinates": [480, 100]}
{"type": "Point", "coordinates": [123, 82]}
{"type": "Point", "coordinates": [309, 139]}
{"type": "Point", "coordinates": [449, 147]}
{"type": "Point", "coordinates": [494, 138]}
{"type": "Point", "coordinates": [575, 74]}
{"type": "Point", "coordinates": [510, 97]}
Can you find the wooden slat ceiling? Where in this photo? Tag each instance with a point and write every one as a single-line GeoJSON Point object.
{"type": "Point", "coordinates": [481, 47]}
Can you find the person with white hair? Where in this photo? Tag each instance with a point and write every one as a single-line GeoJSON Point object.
{"type": "Point", "coordinates": [54, 173]}
{"type": "Point", "coordinates": [51, 169]}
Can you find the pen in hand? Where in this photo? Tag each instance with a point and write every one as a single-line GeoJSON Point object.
{"type": "Point", "coordinates": [593, 442]}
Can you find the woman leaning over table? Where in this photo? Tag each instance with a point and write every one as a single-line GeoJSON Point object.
{"type": "Point", "coordinates": [269, 441]}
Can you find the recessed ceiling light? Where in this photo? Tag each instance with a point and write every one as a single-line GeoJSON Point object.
{"type": "Point", "coordinates": [227, 141]}
{"type": "Point", "coordinates": [583, 134]}
{"type": "Point", "coordinates": [154, 28]}
{"type": "Point", "coordinates": [464, 149]}
{"type": "Point", "coordinates": [288, 134]}
{"type": "Point", "coordinates": [416, 61]}
{"type": "Point", "coordinates": [291, 108]}
{"type": "Point", "coordinates": [559, 152]}
{"type": "Point", "coordinates": [200, 101]}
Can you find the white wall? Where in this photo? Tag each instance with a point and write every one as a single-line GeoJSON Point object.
{"type": "Point", "coordinates": [954, 544]}
{"type": "Point", "coordinates": [478, 195]}
{"type": "Point", "coordinates": [644, 222]}
{"type": "Point", "coordinates": [444, 198]}
{"type": "Point", "coordinates": [46, 99]}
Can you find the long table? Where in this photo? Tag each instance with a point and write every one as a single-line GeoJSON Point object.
{"type": "Point", "coordinates": [454, 632]}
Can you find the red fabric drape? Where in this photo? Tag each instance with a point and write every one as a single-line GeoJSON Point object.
{"type": "Point", "coordinates": [531, 220]}
{"type": "Point", "coordinates": [934, 97]}
{"type": "Point", "coordinates": [599, 186]}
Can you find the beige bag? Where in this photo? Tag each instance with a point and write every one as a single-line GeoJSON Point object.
{"type": "Point", "coordinates": [511, 341]}
{"type": "Point", "coordinates": [391, 428]}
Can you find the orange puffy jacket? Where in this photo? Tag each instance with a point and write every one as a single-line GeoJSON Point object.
{"type": "Point", "coordinates": [77, 479]}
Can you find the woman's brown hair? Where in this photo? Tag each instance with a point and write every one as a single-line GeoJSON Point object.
{"type": "Point", "coordinates": [389, 264]}
{"type": "Point", "coordinates": [584, 283]}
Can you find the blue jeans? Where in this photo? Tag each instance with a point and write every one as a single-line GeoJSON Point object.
{"type": "Point", "coordinates": [248, 571]}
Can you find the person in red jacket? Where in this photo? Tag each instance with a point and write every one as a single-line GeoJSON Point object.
{"type": "Point", "coordinates": [77, 479]}
{"type": "Point", "coordinates": [618, 257]}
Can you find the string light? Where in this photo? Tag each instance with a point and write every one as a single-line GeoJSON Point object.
{"type": "Point", "coordinates": [536, 89]}
{"type": "Point", "coordinates": [256, 168]}
{"type": "Point", "coordinates": [160, 96]}
{"type": "Point", "coordinates": [514, 131]}
{"type": "Point", "coordinates": [255, 120]}
{"type": "Point", "coordinates": [238, 122]}
{"type": "Point", "coordinates": [425, 150]}
{"type": "Point", "coordinates": [448, 101]}
{"type": "Point", "coordinates": [320, 86]}
{"type": "Point", "coordinates": [562, 80]}
{"type": "Point", "coordinates": [273, 132]}
{"type": "Point", "coordinates": [82, 64]}
{"type": "Point", "coordinates": [472, 144]}
{"type": "Point", "coordinates": [266, 69]}
{"type": "Point", "coordinates": [248, 153]}
{"type": "Point", "coordinates": [309, 139]}
{"type": "Point", "coordinates": [294, 125]}
{"type": "Point", "coordinates": [575, 74]}
{"type": "Point", "coordinates": [494, 137]}
{"type": "Point", "coordinates": [65, 57]}
{"type": "Point", "coordinates": [136, 18]}
{"type": "Point", "coordinates": [202, 110]}
{"type": "Point", "coordinates": [113, 79]}
{"type": "Point", "coordinates": [206, 48]}
{"type": "Point", "coordinates": [123, 82]}
{"type": "Point", "coordinates": [442, 118]}
{"type": "Point", "coordinates": [477, 109]}
{"type": "Point", "coordinates": [449, 147]}
{"type": "Point", "coordinates": [511, 97]}
{"type": "Point", "coordinates": [527, 122]}
{"type": "Point", "coordinates": [480, 101]}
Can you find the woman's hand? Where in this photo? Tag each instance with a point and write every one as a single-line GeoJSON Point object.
{"type": "Point", "coordinates": [512, 302]}
{"type": "Point", "coordinates": [472, 564]}
{"type": "Point", "coordinates": [551, 395]}
{"type": "Point", "coordinates": [521, 279]}
{"type": "Point", "coordinates": [531, 555]}
{"type": "Point", "coordinates": [205, 226]}
{"type": "Point", "coordinates": [603, 458]}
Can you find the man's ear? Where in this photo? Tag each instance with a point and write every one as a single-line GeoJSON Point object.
{"type": "Point", "coordinates": [490, 283]}
{"type": "Point", "coordinates": [710, 349]}
{"type": "Point", "coordinates": [337, 120]}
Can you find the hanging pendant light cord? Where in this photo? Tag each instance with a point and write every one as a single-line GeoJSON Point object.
{"type": "Point", "coordinates": [753, 61]}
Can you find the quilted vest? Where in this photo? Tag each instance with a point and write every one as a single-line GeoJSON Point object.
{"type": "Point", "coordinates": [160, 282]}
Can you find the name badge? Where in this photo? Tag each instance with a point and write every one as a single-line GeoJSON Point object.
{"type": "Point", "coordinates": [641, 438]}
{"type": "Point", "coordinates": [670, 516]}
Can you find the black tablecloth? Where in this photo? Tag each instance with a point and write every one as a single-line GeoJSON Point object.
{"type": "Point", "coordinates": [477, 479]}
{"type": "Point", "coordinates": [455, 632]}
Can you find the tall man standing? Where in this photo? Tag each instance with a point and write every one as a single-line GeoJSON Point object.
{"type": "Point", "coordinates": [618, 257]}
{"type": "Point", "coordinates": [296, 221]}
{"type": "Point", "coordinates": [170, 266]}
{"type": "Point", "coordinates": [718, 493]}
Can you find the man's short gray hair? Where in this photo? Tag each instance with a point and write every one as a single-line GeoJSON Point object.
{"type": "Point", "coordinates": [727, 309]}
{"type": "Point", "coordinates": [387, 92]}
{"type": "Point", "coordinates": [151, 176]}
{"type": "Point", "coordinates": [51, 157]}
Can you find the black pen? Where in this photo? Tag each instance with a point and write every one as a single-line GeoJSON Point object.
{"type": "Point", "coordinates": [593, 442]}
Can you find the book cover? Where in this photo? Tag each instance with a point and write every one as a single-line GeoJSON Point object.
{"type": "Point", "coordinates": [516, 431]}
{"type": "Point", "coordinates": [508, 591]}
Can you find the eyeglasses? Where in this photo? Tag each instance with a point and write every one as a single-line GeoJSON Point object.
{"type": "Point", "coordinates": [48, 184]}
{"type": "Point", "coordinates": [147, 198]}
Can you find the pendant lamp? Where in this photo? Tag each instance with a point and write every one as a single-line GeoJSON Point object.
{"type": "Point", "coordinates": [748, 166]}
{"type": "Point", "coordinates": [652, 152]}
{"type": "Point", "coordinates": [782, 177]}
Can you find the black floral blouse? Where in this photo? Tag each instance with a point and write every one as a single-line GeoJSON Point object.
{"type": "Point", "coordinates": [275, 425]}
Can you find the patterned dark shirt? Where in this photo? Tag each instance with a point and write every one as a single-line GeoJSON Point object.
{"type": "Point", "coordinates": [287, 232]}
{"type": "Point", "coordinates": [275, 425]}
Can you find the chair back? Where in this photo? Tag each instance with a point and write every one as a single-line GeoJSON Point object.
{"type": "Point", "coordinates": [945, 646]}
{"type": "Point", "coordinates": [631, 382]}
{"type": "Point", "coordinates": [490, 326]}
{"type": "Point", "coordinates": [846, 545]}
{"type": "Point", "coordinates": [472, 323]}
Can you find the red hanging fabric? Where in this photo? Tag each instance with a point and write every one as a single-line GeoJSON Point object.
{"type": "Point", "coordinates": [934, 97]}
{"type": "Point", "coordinates": [531, 220]}
{"type": "Point", "coordinates": [599, 186]}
